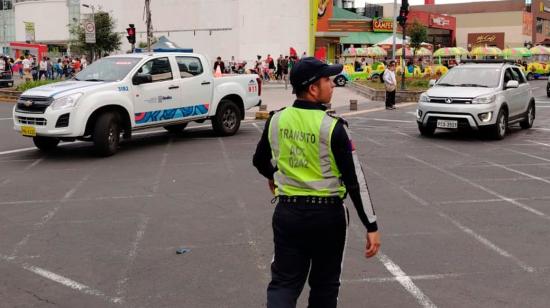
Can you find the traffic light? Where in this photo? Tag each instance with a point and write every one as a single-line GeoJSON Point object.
{"type": "Point", "coordinates": [403, 12]}
{"type": "Point", "coordinates": [131, 34]}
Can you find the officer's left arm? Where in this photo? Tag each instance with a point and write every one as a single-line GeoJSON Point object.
{"type": "Point", "coordinates": [352, 175]}
{"type": "Point", "coordinates": [262, 156]}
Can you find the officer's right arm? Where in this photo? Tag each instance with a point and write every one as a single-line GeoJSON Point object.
{"type": "Point", "coordinates": [262, 156]}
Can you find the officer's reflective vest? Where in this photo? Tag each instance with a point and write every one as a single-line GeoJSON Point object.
{"type": "Point", "coordinates": [300, 144]}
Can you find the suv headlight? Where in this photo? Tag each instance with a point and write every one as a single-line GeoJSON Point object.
{"type": "Point", "coordinates": [486, 99]}
{"type": "Point", "coordinates": [65, 102]}
{"type": "Point", "coordinates": [424, 98]}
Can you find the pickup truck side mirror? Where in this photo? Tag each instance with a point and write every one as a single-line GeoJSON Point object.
{"type": "Point", "coordinates": [141, 79]}
{"type": "Point", "coordinates": [431, 83]}
{"type": "Point", "coordinates": [512, 84]}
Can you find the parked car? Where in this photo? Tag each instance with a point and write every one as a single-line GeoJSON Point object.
{"type": "Point", "coordinates": [485, 95]}
{"type": "Point", "coordinates": [6, 79]}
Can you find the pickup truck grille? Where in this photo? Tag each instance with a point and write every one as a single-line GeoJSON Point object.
{"type": "Point", "coordinates": [454, 100]}
{"type": "Point", "coordinates": [29, 104]}
{"type": "Point", "coordinates": [32, 121]}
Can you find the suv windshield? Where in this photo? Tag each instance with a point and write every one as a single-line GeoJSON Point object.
{"type": "Point", "coordinates": [468, 76]}
{"type": "Point", "coordinates": [108, 69]}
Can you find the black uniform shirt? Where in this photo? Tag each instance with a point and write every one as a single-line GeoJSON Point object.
{"type": "Point", "coordinates": [343, 151]}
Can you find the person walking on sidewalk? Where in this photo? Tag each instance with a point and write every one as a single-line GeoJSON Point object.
{"type": "Point", "coordinates": [314, 167]}
{"type": "Point", "coordinates": [390, 83]}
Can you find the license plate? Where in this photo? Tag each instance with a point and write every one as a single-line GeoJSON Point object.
{"type": "Point", "coordinates": [28, 131]}
{"type": "Point", "coordinates": [447, 124]}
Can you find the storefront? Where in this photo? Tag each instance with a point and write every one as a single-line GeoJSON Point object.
{"type": "Point", "coordinates": [441, 28]}
{"type": "Point", "coordinates": [495, 39]}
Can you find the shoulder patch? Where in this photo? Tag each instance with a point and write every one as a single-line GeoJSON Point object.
{"type": "Point", "coordinates": [339, 118]}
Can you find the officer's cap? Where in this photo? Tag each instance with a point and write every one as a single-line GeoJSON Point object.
{"type": "Point", "coordinates": [308, 70]}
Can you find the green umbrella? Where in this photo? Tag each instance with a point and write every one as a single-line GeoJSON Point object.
{"type": "Point", "coordinates": [516, 52]}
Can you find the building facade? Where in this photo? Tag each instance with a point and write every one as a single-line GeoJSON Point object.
{"type": "Point", "coordinates": [240, 28]}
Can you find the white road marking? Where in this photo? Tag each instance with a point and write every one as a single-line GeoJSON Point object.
{"type": "Point", "coordinates": [529, 155]}
{"type": "Point", "coordinates": [5, 119]}
{"type": "Point", "coordinates": [352, 113]}
{"type": "Point", "coordinates": [485, 189]}
{"type": "Point", "coordinates": [487, 243]}
{"type": "Point", "coordinates": [521, 173]}
{"type": "Point", "coordinates": [121, 284]}
{"type": "Point", "coordinates": [405, 281]}
{"type": "Point", "coordinates": [257, 127]}
{"type": "Point", "coordinates": [390, 120]}
{"type": "Point", "coordinates": [36, 162]}
{"type": "Point", "coordinates": [17, 151]}
{"type": "Point", "coordinates": [539, 143]}
{"type": "Point", "coordinates": [394, 279]}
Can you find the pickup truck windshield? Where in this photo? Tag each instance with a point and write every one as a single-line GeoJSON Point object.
{"type": "Point", "coordinates": [108, 69]}
{"type": "Point", "coordinates": [468, 76]}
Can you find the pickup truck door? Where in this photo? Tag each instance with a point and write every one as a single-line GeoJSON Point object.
{"type": "Point", "coordinates": [156, 100]}
{"type": "Point", "coordinates": [196, 86]}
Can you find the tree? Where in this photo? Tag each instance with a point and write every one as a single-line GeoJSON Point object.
{"type": "Point", "coordinates": [143, 44]}
{"type": "Point", "coordinates": [107, 40]}
{"type": "Point", "coordinates": [418, 34]}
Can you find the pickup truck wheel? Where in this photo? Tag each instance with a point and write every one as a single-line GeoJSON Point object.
{"type": "Point", "coordinates": [529, 117]}
{"type": "Point", "coordinates": [46, 144]}
{"type": "Point", "coordinates": [426, 131]}
{"type": "Point", "coordinates": [106, 134]}
{"type": "Point", "coordinates": [227, 120]}
{"type": "Point", "coordinates": [340, 81]}
{"type": "Point", "coordinates": [498, 131]}
{"type": "Point", "coordinates": [174, 129]}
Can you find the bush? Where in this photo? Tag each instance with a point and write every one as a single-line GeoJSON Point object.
{"type": "Point", "coordinates": [33, 84]}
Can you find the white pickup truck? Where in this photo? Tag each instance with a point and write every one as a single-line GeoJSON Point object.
{"type": "Point", "coordinates": [119, 94]}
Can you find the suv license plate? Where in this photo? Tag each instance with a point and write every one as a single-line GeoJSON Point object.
{"type": "Point", "coordinates": [447, 124]}
{"type": "Point", "coordinates": [28, 131]}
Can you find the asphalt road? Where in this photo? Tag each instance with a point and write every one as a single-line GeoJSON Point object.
{"type": "Point", "coordinates": [465, 221]}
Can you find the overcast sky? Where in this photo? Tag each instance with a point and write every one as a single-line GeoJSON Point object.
{"type": "Point", "coordinates": [414, 2]}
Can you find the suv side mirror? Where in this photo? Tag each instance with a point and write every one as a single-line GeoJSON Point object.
{"type": "Point", "coordinates": [431, 83]}
{"type": "Point", "coordinates": [512, 84]}
{"type": "Point", "coordinates": [141, 79]}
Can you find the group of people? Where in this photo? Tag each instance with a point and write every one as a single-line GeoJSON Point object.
{"type": "Point", "coordinates": [30, 67]}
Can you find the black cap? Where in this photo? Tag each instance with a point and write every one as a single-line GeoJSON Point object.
{"type": "Point", "coordinates": [308, 70]}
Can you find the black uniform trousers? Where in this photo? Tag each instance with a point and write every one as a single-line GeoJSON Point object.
{"type": "Point", "coordinates": [390, 98]}
{"type": "Point", "coordinates": [308, 239]}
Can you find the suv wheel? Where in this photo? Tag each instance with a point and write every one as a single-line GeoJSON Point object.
{"type": "Point", "coordinates": [498, 131]}
{"type": "Point", "coordinates": [340, 81]}
{"type": "Point", "coordinates": [174, 129]}
{"type": "Point", "coordinates": [529, 76]}
{"type": "Point", "coordinates": [227, 120]}
{"type": "Point", "coordinates": [529, 117]}
{"type": "Point", "coordinates": [548, 89]}
{"type": "Point", "coordinates": [426, 131]}
{"type": "Point", "coordinates": [106, 134]}
{"type": "Point", "coordinates": [45, 144]}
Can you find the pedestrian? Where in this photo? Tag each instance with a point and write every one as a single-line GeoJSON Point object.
{"type": "Point", "coordinates": [49, 68]}
{"type": "Point", "coordinates": [314, 167]}
{"type": "Point", "coordinates": [58, 69]}
{"type": "Point", "coordinates": [279, 73]}
{"type": "Point", "coordinates": [219, 63]}
{"type": "Point", "coordinates": [284, 70]}
{"type": "Point", "coordinates": [390, 83]}
{"type": "Point", "coordinates": [83, 62]}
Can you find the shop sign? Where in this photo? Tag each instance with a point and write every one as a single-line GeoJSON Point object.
{"type": "Point", "coordinates": [485, 39]}
{"type": "Point", "coordinates": [382, 25]}
{"type": "Point", "coordinates": [440, 21]}
{"type": "Point", "coordinates": [29, 31]}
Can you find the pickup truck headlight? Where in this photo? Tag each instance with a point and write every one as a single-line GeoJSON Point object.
{"type": "Point", "coordinates": [65, 102]}
{"type": "Point", "coordinates": [486, 99]}
{"type": "Point", "coordinates": [424, 98]}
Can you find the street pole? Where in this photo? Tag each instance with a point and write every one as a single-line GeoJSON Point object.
{"type": "Point", "coordinates": [394, 28]}
{"type": "Point", "coordinates": [403, 47]}
{"type": "Point", "coordinates": [148, 22]}
{"type": "Point", "coordinates": [93, 45]}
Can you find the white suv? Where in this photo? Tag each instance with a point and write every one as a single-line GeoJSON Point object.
{"type": "Point", "coordinates": [485, 95]}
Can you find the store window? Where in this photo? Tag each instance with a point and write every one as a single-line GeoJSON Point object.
{"type": "Point", "coordinates": [539, 25]}
{"type": "Point", "coordinates": [6, 5]}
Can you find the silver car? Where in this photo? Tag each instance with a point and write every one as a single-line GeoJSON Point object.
{"type": "Point", "coordinates": [486, 96]}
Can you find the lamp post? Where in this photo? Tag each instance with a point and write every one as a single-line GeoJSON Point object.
{"type": "Point", "coordinates": [92, 7]}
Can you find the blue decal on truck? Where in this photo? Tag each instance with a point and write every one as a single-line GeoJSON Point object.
{"type": "Point", "coordinates": [170, 114]}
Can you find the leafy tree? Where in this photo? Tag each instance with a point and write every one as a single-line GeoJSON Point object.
{"type": "Point", "coordinates": [143, 44]}
{"type": "Point", "coordinates": [107, 40]}
{"type": "Point", "coordinates": [418, 34]}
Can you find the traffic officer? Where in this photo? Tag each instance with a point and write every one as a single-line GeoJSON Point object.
{"type": "Point", "coordinates": [311, 165]}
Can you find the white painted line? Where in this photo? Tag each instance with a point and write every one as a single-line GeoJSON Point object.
{"type": "Point", "coordinates": [405, 281]}
{"type": "Point", "coordinates": [67, 282]}
{"type": "Point", "coordinates": [390, 120]}
{"type": "Point", "coordinates": [5, 119]}
{"type": "Point", "coordinates": [17, 151]}
{"type": "Point", "coordinates": [121, 284]}
{"type": "Point", "coordinates": [463, 228]}
{"type": "Point", "coordinates": [539, 143]}
{"type": "Point", "coordinates": [521, 173]}
{"type": "Point", "coordinates": [258, 128]}
{"type": "Point", "coordinates": [529, 155]}
{"type": "Point", "coordinates": [394, 279]}
{"type": "Point", "coordinates": [487, 190]}
{"type": "Point", "coordinates": [352, 113]}
{"type": "Point", "coordinates": [538, 106]}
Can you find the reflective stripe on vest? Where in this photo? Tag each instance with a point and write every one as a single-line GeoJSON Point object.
{"type": "Point", "coordinates": [324, 183]}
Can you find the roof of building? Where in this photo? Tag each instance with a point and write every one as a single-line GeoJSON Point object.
{"type": "Point", "coordinates": [472, 7]}
{"type": "Point", "coordinates": [342, 14]}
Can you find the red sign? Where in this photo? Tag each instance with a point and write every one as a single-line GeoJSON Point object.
{"type": "Point", "coordinates": [439, 20]}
